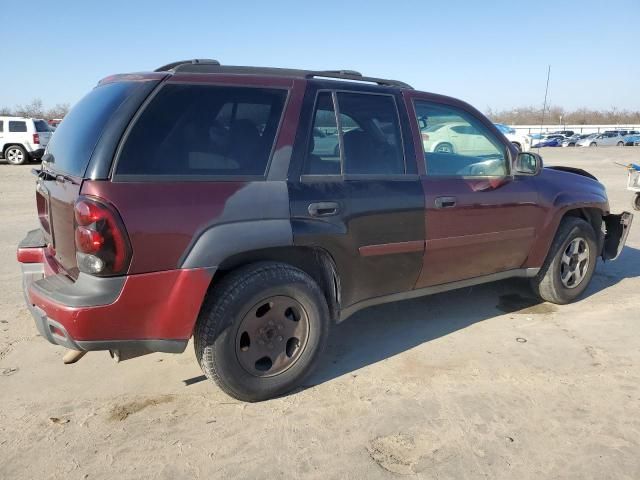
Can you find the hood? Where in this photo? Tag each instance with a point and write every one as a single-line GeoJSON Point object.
{"type": "Point", "coordinates": [574, 181]}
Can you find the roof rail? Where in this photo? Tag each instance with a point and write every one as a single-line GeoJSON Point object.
{"type": "Point", "coordinates": [175, 66]}
{"type": "Point", "coordinates": [213, 66]}
{"type": "Point", "coordinates": [357, 76]}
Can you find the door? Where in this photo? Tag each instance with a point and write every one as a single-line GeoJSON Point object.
{"type": "Point", "coordinates": [362, 202]}
{"type": "Point", "coordinates": [479, 218]}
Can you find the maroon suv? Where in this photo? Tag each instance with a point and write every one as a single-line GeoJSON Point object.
{"type": "Point", "coordinates": [251, 208]}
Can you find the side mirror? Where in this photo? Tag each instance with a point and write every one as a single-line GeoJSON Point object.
{"type": "Point", "coordinates": [527, 163]}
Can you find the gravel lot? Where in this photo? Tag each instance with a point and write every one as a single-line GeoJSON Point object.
{"type": "Point", "coordinates": [477, 383]}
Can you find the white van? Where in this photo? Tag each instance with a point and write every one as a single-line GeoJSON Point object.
{"type": "Point", "coordinates": [23, 139]}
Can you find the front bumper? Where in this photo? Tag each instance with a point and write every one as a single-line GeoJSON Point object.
{"type": "Point", "coordinates": [617, 228]}
{"type": "Point", "coordinates": [155, 312]}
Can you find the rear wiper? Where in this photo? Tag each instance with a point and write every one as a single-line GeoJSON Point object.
{"type": "Point", "coordinates": [43, 174]}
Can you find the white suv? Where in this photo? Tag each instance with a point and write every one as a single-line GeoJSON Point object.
{"type": "Point", "coordinates": [23, 139]}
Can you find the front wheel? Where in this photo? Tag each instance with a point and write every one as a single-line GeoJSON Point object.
{"type": "Point", "coordinates": [621, 144]}
{"type": "Point", "coordinates": [261, 330]}
{"type": "Point", "coordinates": [444, 147]}
{"type": "Point", "coordinates": [635, 202]}
{"type": "Point", "coordinates": [570, 263]}
{"type": "Point", "coordinates": [593, 144]}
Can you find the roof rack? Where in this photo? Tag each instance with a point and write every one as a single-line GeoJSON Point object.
{"type": "Point", "coordinates": [175, 66]}
{"type": "Point", "coordinates": [356, 76]}
{"type": "Point", "coordinates": [213, 66]}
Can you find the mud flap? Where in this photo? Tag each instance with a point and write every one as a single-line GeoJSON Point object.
{"type": "Point", "coordinates": [617, 227]}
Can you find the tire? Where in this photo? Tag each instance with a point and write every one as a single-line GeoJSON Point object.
{"type": "Point", "coordinates": [242, 315]}
{"type": "Point", "coordinates": [16, 155]}
{"type": "Point", "coordinates": [593, 144]}
{"type": "Point", "coordinates": [444, 147]}
{"type": "Point", "coordinates": [635, 202]}
{"type": "Point", "coordinates": [336, 151]}
{"type": "Point", "coordinates": [621, 144]}
{"type": "Point", "coordinates": [548, 283]}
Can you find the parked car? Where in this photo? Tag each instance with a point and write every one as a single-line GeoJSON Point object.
{"type": "Point", "coordinates": [564, 133]}
{"type": "Point", "coordinates": [602, 140]}
{"type": "Point", "coordinates": [520, 140]}
{"type": "Point", "coordinates": [192, 201]}
{"type": "Point", "coordinates": [571, 141]}
{"type": "Point", "coordinates": [23, 139]}
{"type": "Point", "coordinates": [549, 141]}
{"type": "Point", "coordinates": [632, 140]}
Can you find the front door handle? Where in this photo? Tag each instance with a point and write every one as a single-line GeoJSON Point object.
{"type": "Point", "coordinates": [445, 202]}
{"type": "Point", "coordinates": [324, 209]}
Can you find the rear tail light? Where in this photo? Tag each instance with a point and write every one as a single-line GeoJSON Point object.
{"type": "Point", "coordinates": [102, 243]}
{"type": "Point", "coordinates": [425, 137]}
{"type": "Point", "coordinates": [36, 139]}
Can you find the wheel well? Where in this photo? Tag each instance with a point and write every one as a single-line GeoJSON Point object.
{"type": "Point", "coordinates": [593, 216]}
{"type": "Point", "coordinates": [4, 149]}
{"type": "Point", "coordinates": [316, 262]}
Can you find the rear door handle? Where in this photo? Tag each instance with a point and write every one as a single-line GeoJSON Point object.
{"type": "Point", "coordinates": [445, 202]}
{"type": "Point", "coordinates": [324, 209]}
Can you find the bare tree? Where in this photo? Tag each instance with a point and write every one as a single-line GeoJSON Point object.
{"type": "Point", "coordinates": [34, 109]}
{"type": "Point", "coordinates": [530, 115]}
{"type": "Point", "coordinates": [59, 111]}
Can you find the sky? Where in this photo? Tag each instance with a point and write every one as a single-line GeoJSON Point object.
{"type": "Point", "coordinates": [493, 54]}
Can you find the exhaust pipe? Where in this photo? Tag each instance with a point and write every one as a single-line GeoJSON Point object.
{"type": "Point", "coordinates": [121, 355]}
{"type": "Point", "coordinates": [72, 356]}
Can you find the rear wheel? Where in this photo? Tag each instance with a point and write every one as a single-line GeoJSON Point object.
{"type": "Point", "coordinates": [16, 155]}
{"type": "Point", "coordinates": [593, 144]}
{"type": "Point", "coordinates": [635, 202]}
{"type": "Point", "coordinates": [621, 144]}
{"type": "Point", "coordinates": [444, 147]}
{"type": "Point", "coordinates": [261, 331]}
{"type": "Point", "coordinates": [570, 263]}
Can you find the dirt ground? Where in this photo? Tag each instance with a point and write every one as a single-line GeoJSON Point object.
{"type": "Point", "coordinates": [477, 383]}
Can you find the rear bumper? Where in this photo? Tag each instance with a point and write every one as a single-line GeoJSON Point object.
{"type": "Point", "coordinates": [155, 312]}
{"type": "Point", "coordinates": [37, 153]}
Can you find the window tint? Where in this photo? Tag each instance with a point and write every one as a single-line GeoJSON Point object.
{"type": "Point", "coordinates": [457, 144]}
{"type": "Point", "coordinates": [204, 130]}
{"type": "Point", "coordinates": [324, 144]}
{"type": "Point", "coordinates": [369, 131]}
{"type": "Point", "coordinates": [17, 126]}
{"type": "Point", "coordinates": [372, 145]}
{"type": "Point", "coordinates": [41, 126]}
{"type": "Point", "coordinates": [72, 145]}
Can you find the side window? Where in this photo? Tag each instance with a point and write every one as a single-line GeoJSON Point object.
{"type": "Point", "coordinates": [370, 134]}
{"type": "Point", "coordinates": [195, 130]}
{"type": "Point", "coordinates": [324, 143]}
{"type": "Point", "coordinates": [1, 126]}
{"type": "Point", "coordinates": [366, 141]}
{"type": "Point", "coordinates": [457, 144]}
{"type": "Point", "coordinates": [17, 127]}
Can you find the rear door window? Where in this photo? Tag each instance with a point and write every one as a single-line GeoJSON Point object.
{"type": "Point", "coordinates": [17, 127]}
{"type": "Point", "coordinates": [204, 130]}
{"type": "Point", "coordinates": [365, 141]}
{"type": "Point", "coordinates": [1, 126]}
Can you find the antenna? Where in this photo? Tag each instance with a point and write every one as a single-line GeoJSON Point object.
{"type": "Point", "coordinates": [544, 105]}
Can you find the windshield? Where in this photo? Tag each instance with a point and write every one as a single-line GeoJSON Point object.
{"type": "Point", "coordinates": [76, 137]}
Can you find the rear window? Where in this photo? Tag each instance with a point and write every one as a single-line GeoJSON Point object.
{"type": "Point", "coordinates": [72, 145]}
{"type": "Point", "coordinates": [204, 130]}
{"type": "Point", "coordinates": [41, 126]}
{"type": "Point", "coordinates": [17, 126]}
